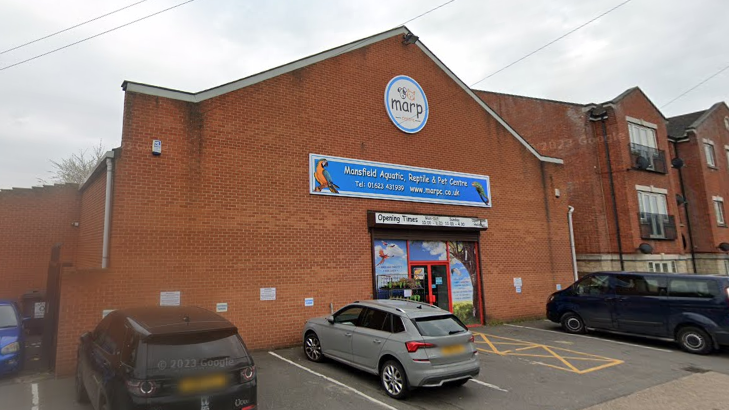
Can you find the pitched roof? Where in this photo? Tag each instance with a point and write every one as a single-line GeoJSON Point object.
{"type": "Point", "coordinates": [677, 126]}
{"type": "Point", "coordinates": [529, 98]}
{"type": "Point", "coordinates": [130, 86]}
{"type": "Point", "coordinates": [630, 91]}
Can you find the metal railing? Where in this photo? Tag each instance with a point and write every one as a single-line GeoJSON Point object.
{"type": "Point", "coordinates": [657, 226]}
{"type": "Point", "coordinates": [655, 159]}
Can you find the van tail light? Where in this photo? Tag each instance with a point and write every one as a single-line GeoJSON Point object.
{"type": "Point", "coordinates": [142, 388]}
{"type": "Point", "coordinates": [247, 374]}
{"type": "Point", "coordinates": [414, 346]}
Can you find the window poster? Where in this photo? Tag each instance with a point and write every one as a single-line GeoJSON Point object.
{"type": "Point", "coordinates": [464, 281]}
{"type": "Point", "coordinates": [391, 257]}
{"type": "Point", "coordinates": [427, 251]}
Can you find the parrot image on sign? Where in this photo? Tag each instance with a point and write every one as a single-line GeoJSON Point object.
{"type": "Point", "coordinates": [481, 192]}
{"type": "Point", "coordinates": [386, 252]}
{"type": "Point", "coordinates": [323, 178]}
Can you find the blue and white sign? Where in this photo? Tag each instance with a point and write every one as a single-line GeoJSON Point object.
{"type": "Point", "coordinates": [365, 179]}
{"type": "Point", "coordinates": [406, 104]}
{"type": "Point", "coordinates": [308, 302]}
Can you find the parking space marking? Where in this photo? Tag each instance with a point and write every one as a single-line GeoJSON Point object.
{"type": "Point", "coordinates": [337, 382]}
{"type": "Point", "coordinates": [590, 337]}
{"type": "Point", "coordinates": [489, 385]}
{"type": "Point", "coordinates": [561, 358]}
{"type": "Point", "coordinates": [34, 393]}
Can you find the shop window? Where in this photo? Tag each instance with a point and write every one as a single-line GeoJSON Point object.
{"type": "Point", "coordinates": [442, 273]}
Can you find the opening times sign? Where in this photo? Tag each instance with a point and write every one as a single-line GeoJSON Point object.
{"type": "Point", "coordinates": [337, 176]}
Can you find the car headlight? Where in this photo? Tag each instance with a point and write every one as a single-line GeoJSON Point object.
{"type": "Point", "coordinates": [11, 348]}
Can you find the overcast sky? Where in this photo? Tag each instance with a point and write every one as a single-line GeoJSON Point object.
{"type": "Point", "coordinates": [70, 100]}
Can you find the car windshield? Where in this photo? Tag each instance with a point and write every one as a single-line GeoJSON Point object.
{"type": "Point", "coordinates": [440, 325]}
{"type": "Point", "coordinates": [8, 318]}
{"type": "Point", "coordinates": [206, 352]}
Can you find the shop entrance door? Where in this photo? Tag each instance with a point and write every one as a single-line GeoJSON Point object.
{"type": "Point", "coordinates": [436, 283]}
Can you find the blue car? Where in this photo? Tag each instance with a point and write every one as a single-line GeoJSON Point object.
{"type": "Point", "coordinates": [693, 310]}
{"type": "Point", "coordinates": [12, 341]}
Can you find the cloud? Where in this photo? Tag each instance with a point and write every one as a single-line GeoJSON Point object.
{"type": "Point", "coordinates": [436, 249]}
{"type": "Point", "coordinates": [56, 105]}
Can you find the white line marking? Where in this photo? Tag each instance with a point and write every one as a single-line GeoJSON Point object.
{"type": "Point", "coordinates": [595, 338]}
{"type": "Point", "coordinates": [489, 385]}
{"type": "Point", "coordinates": [338, 383]}
{"type": "Point", "coordinates": [34, 392]}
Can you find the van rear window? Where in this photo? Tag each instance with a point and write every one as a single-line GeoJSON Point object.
{"type": "Point", "coordinates": [693, 288]}
{"type": "Point", "coordinates": [440, 325]}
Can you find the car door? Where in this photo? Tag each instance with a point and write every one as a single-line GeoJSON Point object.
{"type": "Point", "coordinates": [640, 304]}
{"type": "Point", "coordinates": [336, 337]}
{"type": "Point", "coordinates": [374, 329]}
{"type": "Point", "coordinates": [91, 359]}
{"type": "Point", "coordinates": [593, 300]}
{"type": "Point", "coordinates": [104, 357]}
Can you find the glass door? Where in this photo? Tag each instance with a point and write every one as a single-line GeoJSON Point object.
{"type": "Point", "coordinates": [436, 283]}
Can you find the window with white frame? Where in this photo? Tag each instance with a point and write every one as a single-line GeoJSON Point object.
{"type": "Point", "coordinates": [726, 122]}
{"type": "Point", "coordinates": [726, 149]}
{"type": "Point", "coordinates": [653, 212]}
{"type": "Point", "coordinates": [663, 267]}
{"type": "Point", "coordinates": [709, 152]}
{"type": "Point", "coordinates": [726, 267]}
{"type": "Point", "coordinates": [642, 135]}
{"type": "Point", "coordinates": [719, 211]}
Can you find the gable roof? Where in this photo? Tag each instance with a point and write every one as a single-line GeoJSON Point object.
{"type": "Point", "coordinates": [316, 58]}
{"type": "Point", "coordinates": [679, 125]}
{"type": "Point", "coordinates": [529, 98]}
{"type": "Point", "coordinates": [631, 91]}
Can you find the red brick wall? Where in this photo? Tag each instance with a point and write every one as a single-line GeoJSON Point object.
{"type": "Point", "coordinates": [225, 210]}
{"type": "Point", "coordinates": [564, 130]}
{"type": "Point", "coordinates": [702, 182]}
{"type": "Point", "coordinates": [31, 222]}
{"type": "Point", "coordinates": [91, 229]}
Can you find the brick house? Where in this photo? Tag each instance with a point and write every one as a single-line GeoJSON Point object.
{"type": "Point", "coordinates": [292, 192]}
{"type": "Point", "coordinates": [701, 140]}
{"type": "Point", "coordinates": [618, 177]}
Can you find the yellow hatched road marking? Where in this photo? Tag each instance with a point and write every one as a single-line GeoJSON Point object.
{"type": "Point", "coordinates": [563, 359]}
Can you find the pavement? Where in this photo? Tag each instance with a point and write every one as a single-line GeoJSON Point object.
{"type": "Point", "coordinates": [530, 365]}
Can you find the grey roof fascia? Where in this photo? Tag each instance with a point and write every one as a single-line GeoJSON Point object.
{"type": "Point", "coordinates": [99, 166]}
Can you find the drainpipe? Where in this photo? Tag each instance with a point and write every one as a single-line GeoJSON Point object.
{"type": "Point", "coordinates": [686, 209]}
{"type": "Point", "coordinates": [570, 210]}
{"type": "Point", "coordinates": [602, 117]}
{"type": "Point", "coordinates": [107, 213]}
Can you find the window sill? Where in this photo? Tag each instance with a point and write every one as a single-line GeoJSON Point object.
{"type": "Point", "coordinates": [722, 226]}
{"type": "Point", "coordinates": [714, 167]}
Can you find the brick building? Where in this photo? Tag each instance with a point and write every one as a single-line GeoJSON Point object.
{"type": "Point", "coordinates": [701, 140]}
{"type": "Point", "coordinates": [618, 173]}
{"type": "Point", "coordinates": [295, 191]}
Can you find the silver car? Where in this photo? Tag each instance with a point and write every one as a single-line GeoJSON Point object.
{"type": "Point", "coordinates": [408, 344]}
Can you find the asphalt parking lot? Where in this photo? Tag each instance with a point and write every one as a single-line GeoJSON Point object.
{"type": "Point", "coordinates": [531, 365]}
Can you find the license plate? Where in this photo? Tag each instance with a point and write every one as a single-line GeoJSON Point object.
{"type": "Point", "coordinates": [451, 350]}
{"type": "Point", "coordinates": [200, 384]}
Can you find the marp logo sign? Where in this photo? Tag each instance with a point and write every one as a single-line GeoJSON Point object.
{"type": "Point", "coordinates": [406, 104]}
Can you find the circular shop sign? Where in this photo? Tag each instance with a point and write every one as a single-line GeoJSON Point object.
{"type": "Point", "coordinates": [406, 104]}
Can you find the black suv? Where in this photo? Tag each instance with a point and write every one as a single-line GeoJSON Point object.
{"type": "Point", "coordinates": [165, 358]}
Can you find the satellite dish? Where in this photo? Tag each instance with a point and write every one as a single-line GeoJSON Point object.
{"type": "Point", "coordinates": [646, 248]}
{"type": "Point", "coordinates": [680, 200]}
{"type": "Point", "coordinates": [677, 163]}
{"type": "Point", "coordinates": [642, 162]}
{"type": "Point", "coordinates": [724, 246]}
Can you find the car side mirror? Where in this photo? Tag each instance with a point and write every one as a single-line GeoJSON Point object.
{"type": "Point", "coordinates": [330, 319]}
{"type": "Point", "coordinates": [85, 337]}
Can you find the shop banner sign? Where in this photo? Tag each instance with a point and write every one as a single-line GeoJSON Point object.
{"type": "Point", "coordinates": [337, 176]}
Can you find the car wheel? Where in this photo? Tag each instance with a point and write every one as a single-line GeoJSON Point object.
{"type": "Point", "coordinates": [394, 380]}
{"type": "Point", "coordinates": [81, 395]}
{"type": "Point", "coordinates": [694, 340]}
{"type": "Point", "coordinates": [572, 323]}
{"type": "Point", "coordinates": [312, 348]}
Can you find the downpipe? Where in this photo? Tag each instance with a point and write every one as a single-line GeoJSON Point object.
{"type": "Point", "coordinates": [107, 213]}
{"type": "Point", "coordinates": [570, 210]}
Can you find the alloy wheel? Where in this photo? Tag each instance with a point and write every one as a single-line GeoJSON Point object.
{"type": "Point", "coordinates": [312, 348]}
{"type": "Point", "coordinates": [392, 379]}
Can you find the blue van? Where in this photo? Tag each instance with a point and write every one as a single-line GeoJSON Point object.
{"type": "Point", "coordinates": [12, 340]}
{"type": "Point", "coordinates": [693, 310]}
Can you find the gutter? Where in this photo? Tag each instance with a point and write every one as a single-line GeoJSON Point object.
{"type": "Point", "coordinates": [570, 210]}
